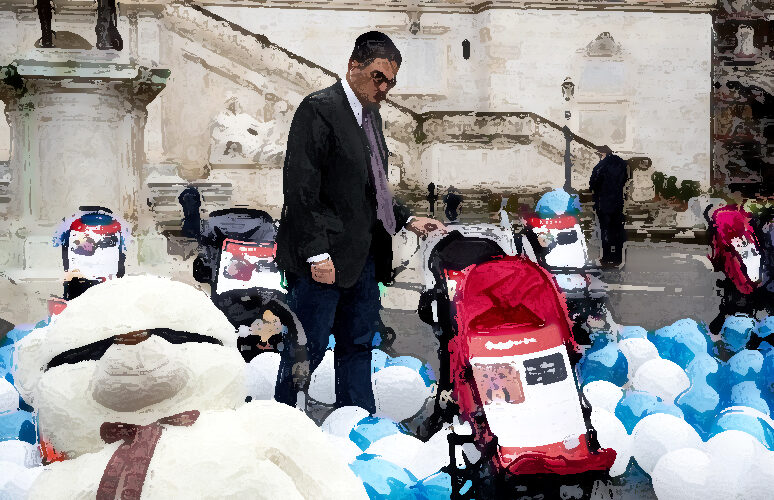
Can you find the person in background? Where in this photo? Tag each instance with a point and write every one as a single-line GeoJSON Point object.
{"type": "Point", "coordinates": [334, 240]}
{"type": "Point", "coordinates": [607, 183]}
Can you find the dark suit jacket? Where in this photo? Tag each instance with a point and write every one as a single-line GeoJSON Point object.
{"type": "Point", "coordinates": [607, 183]}
{"type": "Point", "coordinates": [330, 202]}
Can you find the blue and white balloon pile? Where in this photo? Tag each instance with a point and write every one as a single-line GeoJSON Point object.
{"type": "Point", "coordinates": [390, 462]}
{"type": "Point", "coordinates": [19, 452]}
{"type": "Point", "coordinates": [699, 426]}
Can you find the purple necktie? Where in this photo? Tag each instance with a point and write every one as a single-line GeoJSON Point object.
{"type": "Point", "coordinates": [378, 176]}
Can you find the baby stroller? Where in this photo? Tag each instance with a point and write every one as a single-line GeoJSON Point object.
{"type": "Point", "coordinates": [557, 242]}
{"type": "Point", "coordinates": [511, 357]}
{"type": "Point", "coordinates": [444, 255]}
{"type": "Point", "coordinates": [93, 242]}
{"type": "Point", "coordinates": [236, 258]}
{"type": "Point", "coordinates": [737, 254]}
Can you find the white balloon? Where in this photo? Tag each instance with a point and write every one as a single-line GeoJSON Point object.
{"type": "Point", "coordinates": [15, 481]}
{"type": "Point", "coordinates": [611, 433]}
{"type": "Point", "coordinates": [637, 352]}
{"type": "Point", "coordinates": [656, 435]}
{"type": "Point", "coordinates": [344, 447]}
{"type": "Point", "coordinates": [262, 375]}
{"type": "Point", "coordinates": [400, 449]}
{"type": "Point", "coordinates": [9, 397]}
{"type": "Point", "coordinates": [760, 477]}
{"type": "Point", "coordinates": [399, 392]}
{"type": "Point", "coordinates": [342, 420]}
{"type": "Point", "coordinates": [20, 453]}
{"type": "Point", "coordinates": [322, 385]}
{"type": "Point", "coordinates": [682, 474]}
{"type": "Point", "coordinates": [8, 472]}
{"type": "Point", "coordinates": [432, 456]}
{"type": "Point", "coordinates": [603, 395]}
{"type": "Point", "coordinates": [662, 378]}
{"type": "Point", "coordinates": [732, 455]}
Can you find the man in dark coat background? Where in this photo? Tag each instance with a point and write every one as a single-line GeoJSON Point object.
{"type": "Point", "coordinates": [334, 241]}
{"type": "Point", "coordinates": [607, 183]}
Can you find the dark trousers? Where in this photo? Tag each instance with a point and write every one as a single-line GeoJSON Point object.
{"type": "Point", "coordinates": [613, 235]}
{"type": "Point", "coordinates": [352, 316]}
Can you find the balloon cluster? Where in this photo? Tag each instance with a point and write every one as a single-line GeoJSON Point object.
{"type": "Point", "coordinates": [19, 453]}
{"type": "Point", "coordinates": [381, 451]}
{"type": "Point", "coordinates": [390, 462]}
{"type": "Point", "coordinates": [692, 413]}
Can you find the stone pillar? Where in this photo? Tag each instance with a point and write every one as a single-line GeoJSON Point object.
{"type": "Point", "coordinates": [642, 185]}
{"type": "Point", "coordinates": [76, 139]}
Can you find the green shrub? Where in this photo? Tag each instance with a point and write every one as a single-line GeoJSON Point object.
{"type": "Point", "coordinates": [689, 189]}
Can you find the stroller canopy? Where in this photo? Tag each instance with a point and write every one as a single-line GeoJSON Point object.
{"type": "Point", "coordinates": [510, 292]}
{"type": "Point", "coordinates": [243, 224]}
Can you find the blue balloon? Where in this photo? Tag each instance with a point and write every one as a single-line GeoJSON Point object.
{"type": "Point", "coordinates": [331, 342]}
{"type": "Point", "coordinates": [28, 433]}
{"type": "Point", "coordinates": [603, 361]}
{"type": "Point", "coordinates": [6, 359]}
{"type": "Point", "coordinates": [428, 375]}
{"type": "Point", "coordinates": [764, 328]}
{"type": "Point", "coordinates": [664, 407]}
{"type": "Point", "coordinates": [435, 487]}
{"type": "Point", "coordinates": [681, 341]}
{"type": "Point", "coordinates": [634, 406]}
{"type": "Point", "coordinates": [18, 333]}
{"type": "Point", "coordinates": [407, 361]}
{"type": "Point", "coordinates": [766, 378]}
{"type": "Point", "coordinates": [11, 424]}
{"type": "Point", "coordinates": [736, 332]}
{"type": "Point", "coordinates": [743, 366]}
{"type": "Point", "coordinates": [746, 421]}
{"type": "Point", "coordinates": [371, 429]}
{"type": "Point", "coordinates": [704, 368]}
{"type": "Point", "coordinates": [557, 202]}
{"type": "Point", "coordinates": [699, 403]}
{"type": "Point", "coordinates": [379, 359]}
{"type": "Point", "coordinates": [633, 332]}
{"type": "Point", "coordinates": [746, 394]}
{"type": "Point", "coordinates": [765, 348]}
{"type": "Point", "coordinates": [382, 479]}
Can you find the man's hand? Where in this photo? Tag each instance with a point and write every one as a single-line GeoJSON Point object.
{"type": "Point", "coordinates": [422, 226]}
{"type": "Point", "coordinates": [324, 272]}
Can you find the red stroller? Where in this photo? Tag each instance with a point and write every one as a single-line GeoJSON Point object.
{"type": "Point", "coordinates": [736, 253]}
{"type": "Point", "coordinates": [512, 378]}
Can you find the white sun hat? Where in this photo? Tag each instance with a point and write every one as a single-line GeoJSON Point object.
{"type": "Point", "coordinates": [117, 307]}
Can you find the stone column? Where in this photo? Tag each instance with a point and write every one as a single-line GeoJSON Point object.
{"type": "Point", "coordinates": [76, 139]}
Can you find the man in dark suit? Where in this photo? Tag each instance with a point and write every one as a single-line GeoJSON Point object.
{"type": "Point", "coordinates": [607, 183]}
{"type": "Point", "coordinates": [334, 241]}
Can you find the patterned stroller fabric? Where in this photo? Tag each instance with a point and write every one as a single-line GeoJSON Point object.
{"type": "Point", "coordinates": [732, 234]}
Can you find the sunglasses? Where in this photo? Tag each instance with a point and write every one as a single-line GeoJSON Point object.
{"type": "Point", "coordinates": [95, 350]}
{"type": "Point", "coordinates": [380, 78]}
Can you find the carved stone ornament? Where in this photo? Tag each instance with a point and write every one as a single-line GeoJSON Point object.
{"type": "Point", "coordinates": [603, 46]}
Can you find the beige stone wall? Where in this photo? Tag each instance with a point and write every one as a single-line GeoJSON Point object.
{"type": "Point", "coordinates": [651, 98]}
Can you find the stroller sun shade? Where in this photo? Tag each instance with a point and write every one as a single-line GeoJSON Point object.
{"type": "Point", "coordinates": [508, 293]}
{"type": "Point", "coordinates": [456, 252]}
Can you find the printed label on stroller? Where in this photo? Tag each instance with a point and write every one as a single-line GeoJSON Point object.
{"type": "Point", "coordinates": [545, 370]}
{"type": "Point", "coordinates": [245, 265]}
{"type": "Point", "coordinates": [548, 408]}
{"type": "Point", "coordinates": [498, 382]}
{"type": "Point", "coordinates": [751, 257]}
{"type": "Point", "coordinates": [93, 253]}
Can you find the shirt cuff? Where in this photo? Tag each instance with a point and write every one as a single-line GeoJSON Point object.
{"type": "Point", "coordinates": [318, 258]}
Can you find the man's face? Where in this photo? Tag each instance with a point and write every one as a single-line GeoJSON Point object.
{"type": "Point", "coordinates": [371, 83]}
